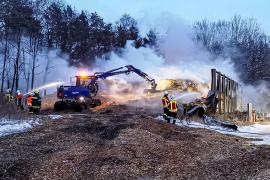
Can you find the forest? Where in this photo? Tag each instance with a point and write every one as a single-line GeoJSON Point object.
{"type": "Point", "coordinates": [31, 28]}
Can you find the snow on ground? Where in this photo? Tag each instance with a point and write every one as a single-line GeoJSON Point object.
{"type": "Point", "coordinates": [12, 126]}
{"type": "Point", "coordinates": [54, 117]}
{"type": "Point", "coordinates": [255, 131]}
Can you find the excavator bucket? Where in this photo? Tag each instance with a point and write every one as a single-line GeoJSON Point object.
{"type": "Point", "coordinates": [153, 88]}
{"type": "Point", "coordinates": [151, 91]}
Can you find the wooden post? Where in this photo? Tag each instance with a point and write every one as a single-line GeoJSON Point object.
{"type": "Point", "coordinates": [235, 96]}
{"type": "Point", "coordinates": [230, 96]}
{"type": "Point", "coordinates": [227, 94]}
{"type": "Point", "coordinates": [223, 94]}
{"type": "Point", "coordinates": [254, 116]}
{"type": "Point", "coordinates": [229, 91]}
{"type": "Point", "coordinates": [219, 89]}
{"type": "Point", "coordinates": [214, 81]}
{"type": "Point", "coordinates": [226, 89]}
{"type": "Point", "coordinates": [250, 113]}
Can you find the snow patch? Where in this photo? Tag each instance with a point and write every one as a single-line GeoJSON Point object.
{"type": "Point", "coordinates": [12, 126]}
{"type": "Point", "coordinates": [54, 117]}
{"type": "Point", "coordinates": [260, 133]}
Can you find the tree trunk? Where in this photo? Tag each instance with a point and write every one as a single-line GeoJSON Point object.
{"type": "Point", "coordinates": [4, 65]}
{"type": "Point", "coordinates": [46, 71]}
{"type": "Point", "coordinates": [33, 71]}
{"type": "Point", "coordinates": [8, 73]}
{"type": "Point", "coordinates": [27, 81]}
{"type": "Point", "coordinates": [15, 81]}
{"type": "Point", "coordinates": [35, 49]}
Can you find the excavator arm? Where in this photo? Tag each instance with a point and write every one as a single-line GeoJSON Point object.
{"type": "Point", "coordinates": [129, 69]}
{"type": "Point", "coordinates": [143, 75]}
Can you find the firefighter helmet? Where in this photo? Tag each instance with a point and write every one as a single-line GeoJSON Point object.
{"type": "Point", "coordinates": [166, 93]}
{"type": "Point", "coordinates": [172, 97]}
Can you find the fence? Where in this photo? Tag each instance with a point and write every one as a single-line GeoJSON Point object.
{"type": "Point", "coordinates": [226, 89]}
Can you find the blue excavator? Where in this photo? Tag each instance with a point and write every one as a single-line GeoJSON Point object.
{"type": "Point", "coordinates": [86, 88]}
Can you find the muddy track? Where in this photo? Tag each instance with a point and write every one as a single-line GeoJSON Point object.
{"type": "Point", "coordinates": [121, 142]}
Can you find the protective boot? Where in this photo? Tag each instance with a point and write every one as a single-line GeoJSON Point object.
{"type": "Point", "coordinates": [174, 121]}
{"type": "Point", "coordinates": [30, 110]}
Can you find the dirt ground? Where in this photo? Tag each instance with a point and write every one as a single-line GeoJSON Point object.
{"type": "Point", "coordinates": [121, 142]}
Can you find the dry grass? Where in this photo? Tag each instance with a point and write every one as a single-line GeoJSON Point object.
{"type": "Point", "coordinates": [10, 110]}
{"type": "Point", "coordinates": [48, 101]}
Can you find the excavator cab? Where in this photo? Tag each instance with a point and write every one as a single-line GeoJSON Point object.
{"type": "Point", "coordinates": [89, 82]}
{"type": "Point", "coordinates": [82, 80]}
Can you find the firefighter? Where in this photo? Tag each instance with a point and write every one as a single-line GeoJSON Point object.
{"type": "Point", "coordinates": [36, 102]}
{"type": "Point", "coordinates": [19, 99]}
{"type": "Point", "coordinates": [165, 104]}
{"type": "Point", "coordinates": [173, 108]}
{"type": "Point", "coordinates": [29, 103]}
{"type": "Point", "coordinates": [8, 95]}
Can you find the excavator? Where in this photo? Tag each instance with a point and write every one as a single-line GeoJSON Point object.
{"type": "Point", "coordinates": [86, 88]}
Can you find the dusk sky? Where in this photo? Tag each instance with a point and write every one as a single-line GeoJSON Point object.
{"type": "Point", "coordinates": [188, 10]}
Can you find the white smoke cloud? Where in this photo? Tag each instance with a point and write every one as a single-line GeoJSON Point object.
{"type": "Point", "coordinates": [182, 59]}
{"type": "Point", "coordinates": [257, 95]}
{"type": "Point", "coordinates": [58, 71]}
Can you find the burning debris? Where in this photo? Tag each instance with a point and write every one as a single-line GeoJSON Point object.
{"type": "Point", "coordinates": [182, 85]}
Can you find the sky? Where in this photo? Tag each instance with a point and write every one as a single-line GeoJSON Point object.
{"type": "Point", "coordinates": [187, 10]}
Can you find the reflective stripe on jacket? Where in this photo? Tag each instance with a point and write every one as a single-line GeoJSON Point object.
{"type": "Point", "coordinates": [35, 107]}
{"type": "Point", "coordinates": [165, 102]}
{"type": "Point", "coordinates": [8, 96]}
{"type": "Point", "coordinates": [173, 106]}
{"type": "Point", "coordinates": [36, 102]}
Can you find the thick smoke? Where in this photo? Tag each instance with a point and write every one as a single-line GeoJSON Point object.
{"type": "Point", "coordinates": [58, 70]}
{"type": "Point", "coordinates": [258, 95]}
{"type": "Point", "coordinates": [181, 58]}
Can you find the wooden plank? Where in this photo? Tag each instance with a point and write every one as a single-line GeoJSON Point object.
{"type": "Point", "coordinates": [223, 93]}
{"type": "Point", "coordinates": [213, 80]}
{"type": "Point", "coordinates": [219, 89]}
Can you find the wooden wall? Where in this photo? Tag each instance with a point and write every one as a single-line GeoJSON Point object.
{"type": "Point", "coordinates": [226, 89]}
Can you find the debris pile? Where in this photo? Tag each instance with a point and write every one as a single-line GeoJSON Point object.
{"type": "Point", "coordinates": [182, 85]}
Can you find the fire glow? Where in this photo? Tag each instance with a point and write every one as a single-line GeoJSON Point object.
{"type": "Point", "coordinates": [83, 73]}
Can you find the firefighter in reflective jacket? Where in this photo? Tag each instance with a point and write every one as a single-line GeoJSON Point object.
{"type": "Point", "coordinates": [29, 103]}
{"type": "Point", "coordinates": [19, 99]}
{"type": "Point", "coordinates": [36, 102]}
{"type": "Point", "coordinates": [8, 95]}
{"type": "Point", "coordinates": [165, 104]}
{"type": "Point", "coordinates": [173, 108]}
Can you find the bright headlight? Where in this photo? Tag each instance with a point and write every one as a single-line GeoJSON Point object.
{"type": "Point", "coordinates": [81, 98]}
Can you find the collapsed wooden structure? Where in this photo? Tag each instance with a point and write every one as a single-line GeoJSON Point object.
{"type": "Point", "coordinates": [226, 89]}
